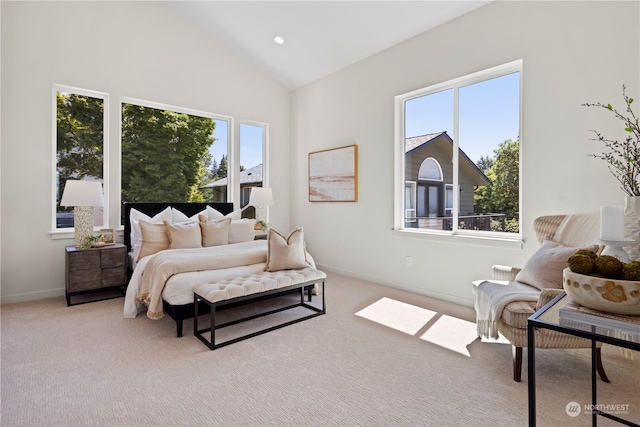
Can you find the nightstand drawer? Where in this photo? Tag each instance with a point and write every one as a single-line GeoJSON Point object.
{"type": "Point", "coordinates": [84, 280]}
{"type": "Point", "coordinates": [84, 260]}
{"type": "Point", "coordinates": [114, 276]}
{"type": "Point", "coordinates": [116, 257]}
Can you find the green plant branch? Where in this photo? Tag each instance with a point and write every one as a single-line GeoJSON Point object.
{"type": "Point", "coordinates": [623, 157]}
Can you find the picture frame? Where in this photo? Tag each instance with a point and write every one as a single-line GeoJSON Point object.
{"type": "Point", "coordinates": [333, 175]}
{"type": "Point", "coordinates": [108, 236]}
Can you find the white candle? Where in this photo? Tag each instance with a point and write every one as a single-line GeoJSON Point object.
{"type": "Point", "coordinates": [612, 223]}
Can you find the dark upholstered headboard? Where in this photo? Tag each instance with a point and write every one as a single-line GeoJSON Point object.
{"type": "Point", "coordinates": [153, 208]}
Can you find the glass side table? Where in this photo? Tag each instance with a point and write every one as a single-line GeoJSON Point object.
{"type": "Point", "coordinates": [548, 317]}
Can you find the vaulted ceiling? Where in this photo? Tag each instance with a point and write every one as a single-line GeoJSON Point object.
{"type": "Point", "coordinates": [320, 37]}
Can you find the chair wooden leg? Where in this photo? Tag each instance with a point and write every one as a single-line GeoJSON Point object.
{"type": "Point", "coordinates": [517, 362]}
{"type": "Point", "coordinates": [599, 366]}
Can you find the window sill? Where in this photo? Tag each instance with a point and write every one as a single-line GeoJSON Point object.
{"type": "Point", "coordinates": [463, 239]}
{"type": "Point", "coordinates": [61, 234]}
{"type": "Point", "coordinates": [68, 233]}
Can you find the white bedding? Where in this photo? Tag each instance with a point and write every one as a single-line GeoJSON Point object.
{"type": "Point", "coordinates": [178, 289]}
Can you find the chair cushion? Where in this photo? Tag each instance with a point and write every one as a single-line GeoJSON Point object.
{"type": "Point", "coordinates": [516, 313]}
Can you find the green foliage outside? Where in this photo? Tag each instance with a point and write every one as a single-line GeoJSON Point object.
{"type": "Point", "coordinates": [164, 155]}
{"type": "Point", "coordinates": [79, 138]}
{"type": "Point", "coordinates": [503, 194]}
{"type": "Point", "coordinates": [218, 170]}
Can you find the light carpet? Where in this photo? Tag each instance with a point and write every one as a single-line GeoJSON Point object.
{"type": "Point", "coordinates": [379, 357]}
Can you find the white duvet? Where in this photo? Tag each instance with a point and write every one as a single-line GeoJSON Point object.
{"type": "Point", "coordinates": [179, 287]}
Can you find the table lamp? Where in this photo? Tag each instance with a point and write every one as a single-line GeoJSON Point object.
{"type": "Point", "coordinates": [83, 196]}
{"type": "Point", "coordinates": [260, 198]}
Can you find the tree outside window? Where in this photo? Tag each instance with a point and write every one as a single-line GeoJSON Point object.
{"type": "Point", "coordinates": [165, 154]}
{"type": "Point", "coordinates": [79, 141]}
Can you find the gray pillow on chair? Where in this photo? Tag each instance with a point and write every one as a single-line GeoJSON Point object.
{"type": "Point", "coordinates": [544, 269]}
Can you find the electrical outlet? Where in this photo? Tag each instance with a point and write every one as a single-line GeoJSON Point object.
{"type": "Point", "coordinates": [409, 261]}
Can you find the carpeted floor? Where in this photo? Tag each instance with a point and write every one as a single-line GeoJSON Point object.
{"type": "Point", "coordinates": [379, 357]}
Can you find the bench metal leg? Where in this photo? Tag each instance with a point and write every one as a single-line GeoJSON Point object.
{"type": "Point", "coordinates": [211, 344]}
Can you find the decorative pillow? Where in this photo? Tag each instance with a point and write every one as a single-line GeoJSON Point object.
{"type": "Point", "coordinates": [154, 239]}
{"type": "Point", "coordinates": [242, 230]}
{"type": "Point", "coordinates": [214, 214]}
{"type": "Point", "coordinates": [135, 216]}
{"type": "Point", "coordinates": [544, 268]}
{"type": "Point", "coordinates": [286, 253]}
{"type": "Point", "coordinates": [214, 232]}
{"type": "Point", "coordinates": [178, 216]}
{"type": "Point", "coordinates": [183, 235]}
{"type": "Point", "coordinates": [235, 215]}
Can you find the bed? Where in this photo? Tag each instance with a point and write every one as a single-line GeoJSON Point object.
{"type": "Point", "coordinates": [218, 263]}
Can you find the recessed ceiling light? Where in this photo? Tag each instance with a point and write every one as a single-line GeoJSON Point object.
{"type": "Point", "coordinates": [278, 39]}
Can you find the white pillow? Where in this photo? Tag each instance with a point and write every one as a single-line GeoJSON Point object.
{"type": "Point", "coordinates": [214, 214]}
{"type": "Point", "coordinates": [242, 230]}
{"type": "Point", "coordinates": [178, 216]}
{"type": "Point", "coordinates": [136, 235]}
{"type": "Point", "coordinates": [544, 269]}
{"type": "Point", "coordinates": [235, 215]}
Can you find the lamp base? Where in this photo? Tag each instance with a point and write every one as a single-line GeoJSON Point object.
{"type": "Point", "coordinates": [83, 225]}
{"type": "Point", "coordinates": [261, 213]}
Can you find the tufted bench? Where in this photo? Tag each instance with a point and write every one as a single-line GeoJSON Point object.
{"type": "Point", "coordinates": [247, 289]}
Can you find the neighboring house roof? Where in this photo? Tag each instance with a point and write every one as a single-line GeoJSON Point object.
{"type": "Point", "coordinates": [249, 176]}
{"type": "Point", "coordinates": [416, 142]}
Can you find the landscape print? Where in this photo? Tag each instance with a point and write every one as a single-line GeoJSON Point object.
{"type": "Point", "coordinates": [333, 175]}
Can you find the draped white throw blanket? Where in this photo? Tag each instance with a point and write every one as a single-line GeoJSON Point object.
{"type": "Point", "coordinates": [163, 265]}
{"type": "Point", "coordinates": [492, 296]}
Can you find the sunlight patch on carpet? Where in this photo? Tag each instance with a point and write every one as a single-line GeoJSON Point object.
{"type": "Point", "coordinates": [452, 333]}
{"type": "Point", "coordinates": [397, 315]}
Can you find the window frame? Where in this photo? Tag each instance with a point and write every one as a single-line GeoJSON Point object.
{"type": "Point", "coordinates": [183, 110]}
{"type": "Point", "coordinates": [265, 156]}
{"type": "Point", "coordinates": [399, 152]}
{"type": "Point", "coordinates": [68, 232]}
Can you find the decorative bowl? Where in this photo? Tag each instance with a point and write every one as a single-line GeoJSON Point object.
{"type": "Point", "coordinates": [609, 295]}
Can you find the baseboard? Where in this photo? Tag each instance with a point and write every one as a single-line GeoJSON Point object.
{"type": "Point", "coordinates": [31, 296]}
{"type": "Point", "coordinates": [404, 287]}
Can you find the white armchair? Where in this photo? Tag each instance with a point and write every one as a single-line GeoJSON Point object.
{"type": "Point", "coordinates": [573, 231]}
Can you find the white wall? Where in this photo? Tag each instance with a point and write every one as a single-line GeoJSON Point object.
{"type": "Point", "coordinates": [136, 49]}
{"type": "Point", "coordinates": [572, 51]}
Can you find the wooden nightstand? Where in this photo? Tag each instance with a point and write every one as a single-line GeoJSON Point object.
{"type": "Point", "coordinates": [94, 270]}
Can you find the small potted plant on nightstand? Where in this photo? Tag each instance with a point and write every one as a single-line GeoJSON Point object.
{"type": "Point", "coordinates": [92, 242]}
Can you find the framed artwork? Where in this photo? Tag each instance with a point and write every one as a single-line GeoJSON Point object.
{"type": "Point", "coordinates": [333, 175]}
{"type": "Point", "coordinates": [108, 236]}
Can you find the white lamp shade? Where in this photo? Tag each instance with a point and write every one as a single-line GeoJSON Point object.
{"type": "Point", "coordinates": [82, 193]}
{"type": "Point", "coordinates": [261, 196]}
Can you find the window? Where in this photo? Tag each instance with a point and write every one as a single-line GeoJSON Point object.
{"type": "Point", "coordinates": [167, 154]}
{"type": "Point", "coordinates": [458, 155]}
{"type": "Point", "coordinates": [216, 189]}
{"type": "Point", "coordinates": [252, 147]}
{"type": "Point", "coordinates": [80, 132]}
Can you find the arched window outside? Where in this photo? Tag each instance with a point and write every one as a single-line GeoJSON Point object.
{"type": "Point", "coordinates": [430, 169]}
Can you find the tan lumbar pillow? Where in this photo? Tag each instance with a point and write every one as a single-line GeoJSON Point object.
{"type": "Point", "coordinates": [286, 253]}
{"type": "Point", "coordinates": [183, 235]}
{"type": "Point", "coordinates": [154, 239]}
{"type": "Point", "coordinates": [214, 232]}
